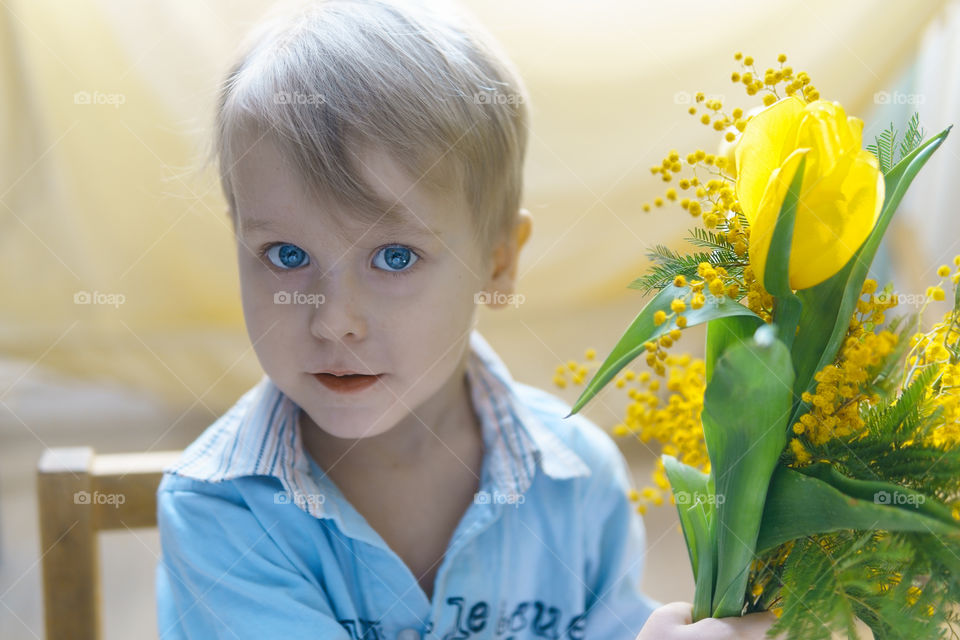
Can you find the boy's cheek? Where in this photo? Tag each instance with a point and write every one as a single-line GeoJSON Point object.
{"type": "Point", "coordinates": [437, 333]}
{"type": "Point", "coordinates": [264, 291]}
{"type": "Point", "coordinates": [259, 301]}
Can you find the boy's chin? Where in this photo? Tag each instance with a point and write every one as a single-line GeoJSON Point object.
{"type": "Point", "coordinates": [349, 422]}
{"type": "Point", "coordinates": [339, 429]}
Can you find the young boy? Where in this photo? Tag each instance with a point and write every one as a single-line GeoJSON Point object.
{"type": "Point", "coordinates": [387, 478]}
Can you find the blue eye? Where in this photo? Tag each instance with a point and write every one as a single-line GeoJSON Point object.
{"type": "Point", "coordinates": [287, 256]}
{"type": "Point", "coordinates": [395, 258]}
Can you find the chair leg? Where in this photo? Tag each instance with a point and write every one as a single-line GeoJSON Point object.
{"type": "Point", "coordinates": [69, 553]}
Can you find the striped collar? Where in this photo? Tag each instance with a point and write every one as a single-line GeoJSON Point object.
{"type": "Point", "coordinates": [260, 435]}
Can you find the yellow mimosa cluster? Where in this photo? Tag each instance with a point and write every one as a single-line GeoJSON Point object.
{"type": "Point", "coordinates": [771, 78]}
{"type": "Point", "coordinates": [714, 199]}
{"type": "Point", "coordinates": [840, 391]}
{"type": "Point", "coordinates": [940, 348]}
{"type": "Point", "coordinates": [674, 423]}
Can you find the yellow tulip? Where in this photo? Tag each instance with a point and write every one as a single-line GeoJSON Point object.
{"type": "Point", "coordinates": [841, 195]}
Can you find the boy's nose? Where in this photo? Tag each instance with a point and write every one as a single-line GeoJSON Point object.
{"type": "Point", "coordinates": [337, 314]}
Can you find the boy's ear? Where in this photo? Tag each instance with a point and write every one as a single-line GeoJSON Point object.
{"type": "Point", "coordinates": [503, 274]}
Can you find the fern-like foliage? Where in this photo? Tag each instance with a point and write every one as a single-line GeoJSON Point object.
{"type": "Point", "coordinates": [885, 145]}
{"type": "Point", "coordinates": [707, 239]}
{"type": "Point", "coordinates": [888, 379]}
{"type": "Point", "coordinates": [913, 137]}
{"type": "Point", "coordinates": [902, 585]}
{"type": "Point", "coordinates": [667, 263]}
{"type": "Point", "coordinates": [883, 148]}
{"type": "Point", "coordinates": [895, 446]}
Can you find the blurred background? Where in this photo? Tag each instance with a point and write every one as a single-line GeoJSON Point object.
{"type": "Point", "coordinates": [120, 321]}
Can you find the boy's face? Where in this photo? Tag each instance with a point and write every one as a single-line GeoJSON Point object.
{"type": "Point", "coordinates": [320, 295]}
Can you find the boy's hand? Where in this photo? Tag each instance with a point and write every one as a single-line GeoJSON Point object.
{"type": "Point", "coordinates": [673, 622]}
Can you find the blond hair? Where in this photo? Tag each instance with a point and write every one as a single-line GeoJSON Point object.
{"type": "Point", "coordinates": [423, 82]}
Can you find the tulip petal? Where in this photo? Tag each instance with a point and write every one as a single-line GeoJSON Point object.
{"type": "Point", "coordinates": [826, 129]}
{"type": "Point", "coordinates": [835, 217]}
{"type": "Point", "coordinates": [766, 141]}
{"type": "Point", "coordinates": [768, 210]}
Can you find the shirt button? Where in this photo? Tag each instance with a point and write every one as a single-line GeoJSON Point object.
{"type": "Point", "coordinates": [408, 634]}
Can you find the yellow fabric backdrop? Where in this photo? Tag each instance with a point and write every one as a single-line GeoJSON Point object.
{"type": "Point", "coordinates": [105, 109]}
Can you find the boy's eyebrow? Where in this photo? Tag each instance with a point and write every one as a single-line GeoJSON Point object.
{"type": "Point", "coordinates": [247, 224]}
{"type": "Point", "coordinates": [388, 226]}
{"type": "Point", "coordinates": [392, 225]}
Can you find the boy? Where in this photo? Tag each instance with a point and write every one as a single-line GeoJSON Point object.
{"type": "Point", "coordinates": [387, 478]}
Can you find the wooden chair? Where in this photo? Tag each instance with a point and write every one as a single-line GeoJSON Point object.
{"type": "Point", "coordinates": [81, 493]}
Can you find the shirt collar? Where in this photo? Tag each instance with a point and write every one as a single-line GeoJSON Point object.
{"type": "Point", "coordinates": [259, 435]}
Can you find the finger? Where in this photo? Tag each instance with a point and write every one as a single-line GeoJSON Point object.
{"type": "Point", "coordinates": [750, 627]}
{"type": "Point", "coordinates": [665, 620]}
{"type": "Point", "coordinates": [758, 623]}
{"type": "Point", "coordinates": [674, 613]}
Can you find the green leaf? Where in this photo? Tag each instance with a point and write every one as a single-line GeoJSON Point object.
{"type": "Point", "coordinates": [799, 505]}
{"type": "Point", "coordinates": [724, 332]}
{"type": "Point", "coordinates": [827, 307]}
{"type": "Point", "coordinates": [776, 274]}
{"type": "Point", "coordinates": [744, 443]}
{"type": "Point", "coordinates": [903, 498]}
{"type": "Point", "coordinates": [693, 496]}
{"type": "Point", "coordinates": [643, 329]}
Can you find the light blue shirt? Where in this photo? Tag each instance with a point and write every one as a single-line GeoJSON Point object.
{"type": "Point", "coordinates": [257, 542]}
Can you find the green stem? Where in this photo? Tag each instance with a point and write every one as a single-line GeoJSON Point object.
{"type": "Point", "coordinates": [706, 568]}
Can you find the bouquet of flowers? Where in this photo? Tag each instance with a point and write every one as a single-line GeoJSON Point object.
{"type": "Point", "coordinates": [814, 452]}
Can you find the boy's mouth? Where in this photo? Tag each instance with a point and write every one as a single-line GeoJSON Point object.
{"type": "Point", "coordinates": [348, 382]}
